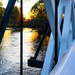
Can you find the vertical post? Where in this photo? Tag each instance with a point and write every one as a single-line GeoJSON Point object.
{"type": "Point", "coordinates": [56, 35]}
{"type": "Point", "coordinates": [21, 39]}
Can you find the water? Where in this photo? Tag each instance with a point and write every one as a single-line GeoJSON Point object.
{"type": "Point", "coordinates": [10, 51]}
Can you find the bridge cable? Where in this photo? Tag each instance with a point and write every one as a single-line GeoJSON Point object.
{"type": "Point", "coordinates": [56, 31]}
{"type": "Point", "coordinates": [21, 38]}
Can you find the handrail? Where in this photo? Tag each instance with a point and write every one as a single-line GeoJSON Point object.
{"type": "Point", "coordinates": [66, 65]}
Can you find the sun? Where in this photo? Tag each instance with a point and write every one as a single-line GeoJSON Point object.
{"type": "Point", "coordinates": [26, 6]}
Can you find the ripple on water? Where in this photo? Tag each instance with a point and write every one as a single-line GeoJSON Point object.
{"type": "Point", "coordinates": [10, 52]}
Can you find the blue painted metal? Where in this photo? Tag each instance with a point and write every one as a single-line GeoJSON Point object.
{"type": "Point", "coordinates": [6, 17]}
{"type": "Point", "coordinates": [66, 27]}
{"type": "Point", "coordinates": [73, 18]}
{"type": "Point", "coordinates": [65, 39]}
{"type": "Point", "coordinates": [47, 67]}
{"type": "Point", "coordinates": [66, 65]}
{"type": "Point", "coordinates": [50, 9]}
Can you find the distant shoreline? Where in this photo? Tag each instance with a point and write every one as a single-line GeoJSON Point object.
{"type": "Point", "coordinates": [40, 31]}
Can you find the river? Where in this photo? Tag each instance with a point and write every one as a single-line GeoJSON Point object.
{"type": "Point", "coordinates": [10, 51]}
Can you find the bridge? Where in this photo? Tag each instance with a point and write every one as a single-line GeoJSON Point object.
{"type": "Point", "coordinates": [66, 34]}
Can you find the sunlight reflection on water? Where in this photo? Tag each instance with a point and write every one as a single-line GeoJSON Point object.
{"type": "Point", "coordinates": [10, 52]}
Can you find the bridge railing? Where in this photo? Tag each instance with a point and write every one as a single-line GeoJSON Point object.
{"type": "Point", "coordinates": [66, 66]}
{"type": "Point", "coordinates": [67, 26]}
{"type": "Point", "coordinates": [65, 7]}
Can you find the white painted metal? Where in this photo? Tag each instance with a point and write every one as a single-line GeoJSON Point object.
{"type": "Point", "coordinates": [66, 24]}
{"type": "Point", "coordinates": [66, 66]}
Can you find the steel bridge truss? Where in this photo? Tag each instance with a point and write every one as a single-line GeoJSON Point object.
{"type": "Point", "coordinates": [65, 39]}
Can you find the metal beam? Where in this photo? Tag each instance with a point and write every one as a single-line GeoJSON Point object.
{"type": "Point", "coordinates": [66, 24]}
{"type": "Point", "coordinates": [6, 17]}
{"type": "Point", "coordinates": [49, 57]}
{"type": "Point", "coordinates": [70, 35]}
{"type": "Point", "coordinates": [73, 18]}
{"type": "Point", "coordinates": [50, 10]}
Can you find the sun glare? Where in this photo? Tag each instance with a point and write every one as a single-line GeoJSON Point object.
{"type": "Point", "coordinates": [26, 6]}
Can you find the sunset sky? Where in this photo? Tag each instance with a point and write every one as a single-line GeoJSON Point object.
{"type": "Point", "coordinates": [26, 5]}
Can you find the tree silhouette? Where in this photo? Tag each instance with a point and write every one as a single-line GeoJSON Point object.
{"type": "Point", "coordinates": [15, 17]}
{"type": "Point", "coordinates": [1, 11]}
{"type": "Point", "coordinates": [1, 4]}
{"type": "Point", "coordinates": [39, 15]}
